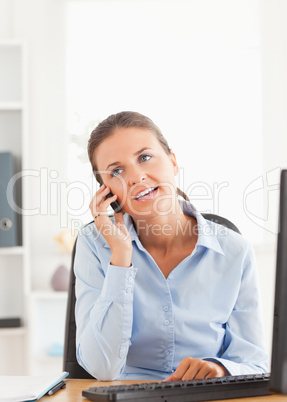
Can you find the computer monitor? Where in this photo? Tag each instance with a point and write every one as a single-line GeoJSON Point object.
{"type": "Point", "coordinates": [279, 344]}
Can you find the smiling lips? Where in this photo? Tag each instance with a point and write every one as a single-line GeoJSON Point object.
{"type": "Point", "coordinates": [147, 194]}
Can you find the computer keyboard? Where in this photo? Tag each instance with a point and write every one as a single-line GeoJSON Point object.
{"type": "Point", "coordinates": [184, 391]}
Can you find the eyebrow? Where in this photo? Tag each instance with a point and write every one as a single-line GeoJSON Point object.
{"type": "Point", "coordinates": [135, 154]}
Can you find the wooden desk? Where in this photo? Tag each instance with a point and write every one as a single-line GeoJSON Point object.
{"type": "Point", "coordinates": [73, 392]}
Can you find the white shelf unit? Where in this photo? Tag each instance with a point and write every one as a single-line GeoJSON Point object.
{"type": "Point", "coordinates": [36, 346]}
{"type": "Point", "coordinates": [14, 265]}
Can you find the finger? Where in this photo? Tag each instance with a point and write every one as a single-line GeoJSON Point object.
{"type": "Point", "coordinates": [99, 193]}
{"type": "Point", "coordinates": [98, 197]}
{"type": "Point", "coordinates": [102, 196]}
{"type": "Point", "coordinates": [100, 213]}
{"type": "Point", "coordinates": [210, 370]}
{"type": "Point", "coordinates": [103, 186]}
{"type": "Point", "coordinates": [180, 371]}
{"type": "Point", "coordinates": [212, 375]}
{"type": "Point", "coordinates": [106, 202]}
{"type": "Point", "coordinates": [203, 372]}
{"type": "Point", "coordinates": [100, 203]}
{"type": "Point", "coordinates": [192, 372]}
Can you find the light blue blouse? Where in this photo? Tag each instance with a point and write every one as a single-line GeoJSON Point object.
{"type": "Point", "coordinates": [133, 323]}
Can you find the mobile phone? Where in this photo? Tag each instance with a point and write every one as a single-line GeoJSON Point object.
{"type": "Point", "coordinates": [115, 204]}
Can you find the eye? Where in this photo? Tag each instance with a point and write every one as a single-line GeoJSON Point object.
{"type": "Point", "coordinates": [116, 172]}
{"type": "Point", "coordinates": [145, 157]}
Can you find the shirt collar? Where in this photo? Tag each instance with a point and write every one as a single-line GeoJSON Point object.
{"type": "Point", "coordinates": [206, 230]}
{"type": "Point", "coordinates": [206, 235]}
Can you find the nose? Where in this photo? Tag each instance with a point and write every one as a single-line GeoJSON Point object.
{"type": "Point", "coordinates": [136, 175]}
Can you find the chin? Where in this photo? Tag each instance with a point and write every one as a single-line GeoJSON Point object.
{"type": "Point", "coordinates": [148, 213]}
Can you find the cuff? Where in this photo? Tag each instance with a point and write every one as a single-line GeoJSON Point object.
{"type": "Point", "coordinates": [119, 283]}
{"type": "Point", "coordinates": [237, 368]}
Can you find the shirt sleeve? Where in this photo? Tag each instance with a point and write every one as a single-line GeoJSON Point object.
{"type": "Point", "coordinates": [104, 313]}
{"type": "Point", "coordinates": [243, 351]}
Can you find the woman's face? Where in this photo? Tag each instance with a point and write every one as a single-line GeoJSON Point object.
{"type": "Point", "coordinates": [134, 165]}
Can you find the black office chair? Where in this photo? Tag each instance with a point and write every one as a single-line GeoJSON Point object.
{"type": "Point", "coordinates": [70, 361]}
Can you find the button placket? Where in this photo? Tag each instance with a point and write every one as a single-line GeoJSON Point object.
{"type": "Point", "coordinates": [167, 322]}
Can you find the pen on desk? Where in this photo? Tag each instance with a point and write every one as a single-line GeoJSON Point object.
{"type": "Point", "coordinates": [56, 388]}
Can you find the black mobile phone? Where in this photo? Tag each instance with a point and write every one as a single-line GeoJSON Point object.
{"type": "Point", "coordinates": [115, 205]}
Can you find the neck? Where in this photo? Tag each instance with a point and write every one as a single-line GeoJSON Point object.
{"type": "Point", "coordinates": [166, 232]}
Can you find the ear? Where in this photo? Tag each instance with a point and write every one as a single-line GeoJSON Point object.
{"type": "Point", "coordinates": [174, 162]}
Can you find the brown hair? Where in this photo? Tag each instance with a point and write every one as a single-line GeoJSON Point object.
{"type": "Point", "coordinates": [123, 120]}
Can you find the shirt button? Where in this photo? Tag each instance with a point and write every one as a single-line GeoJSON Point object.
{"type": "Point", "coordinates": [165, 365]}
{"type": "Point", "coordinates": [166, 353]}
{"type": "Point", "coordinates": [166, 322]}
{"type": "Point", "coordinates": [129, 290]}
{"type": "Point", "coordinates": [166, 308]}
{"type": "Point", "coordinates": [130, 278]}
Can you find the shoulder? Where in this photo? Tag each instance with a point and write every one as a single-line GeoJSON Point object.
{"type": "Point", "coordinates": [217, 236]}
{"type": "Point", "coordinates": [90, 236]}
{"type": "Point", "coordinates": [233, 244]}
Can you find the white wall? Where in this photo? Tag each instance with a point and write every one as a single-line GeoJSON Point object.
{"type": "Point", "coordinates": [274, 63]}
{"type": "Point", "coordinates": [41, 24]}
{"type": "Point", "coordinates": [274, 129]}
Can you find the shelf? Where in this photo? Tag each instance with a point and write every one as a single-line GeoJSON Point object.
{"type": "Point", "coordinates": [48, 295]}
{"type": "Point", "coordinates": [11, 42]}
{"type": "Point", "coordinates": [19, 331]}
{"type": "Point", "coordinates": [6, 106]}
{"type": "Point", "coordinates": [5, 251]}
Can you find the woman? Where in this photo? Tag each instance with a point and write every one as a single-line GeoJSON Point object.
{"type": "Point", "coordinates": [161, 292]}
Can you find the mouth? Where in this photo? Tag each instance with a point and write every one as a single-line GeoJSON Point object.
{"type": "Point", "coordinates": [147, 194]}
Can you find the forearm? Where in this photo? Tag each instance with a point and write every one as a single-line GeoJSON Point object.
{"type": "Point", "coordinates": [122, 258]}
{"type": "Point", "coordinates": [103, 336]}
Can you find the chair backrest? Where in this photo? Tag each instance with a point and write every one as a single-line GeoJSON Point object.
{"type": "Point", "coordinates": [70, 361]}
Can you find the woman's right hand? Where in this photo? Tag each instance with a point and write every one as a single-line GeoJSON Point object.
{"type": "Point", "coordinates": [116, 234]}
